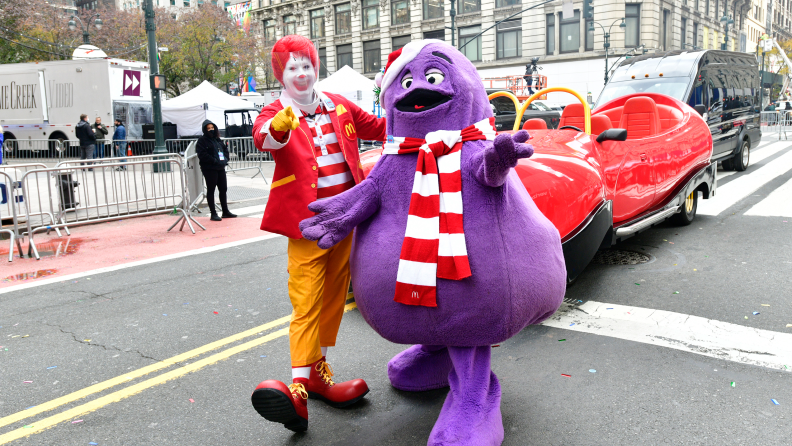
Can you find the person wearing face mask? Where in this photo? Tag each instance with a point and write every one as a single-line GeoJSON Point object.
{"type": "Point", "coordinates": [213, 157]}
{"type": "Point", "coordinates": [313, 138]}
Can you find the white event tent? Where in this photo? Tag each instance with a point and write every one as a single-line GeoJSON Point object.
{"type": "Point", "coordinates": [189, 110]}
{"type": "Point", "coordinates": [352, 85]}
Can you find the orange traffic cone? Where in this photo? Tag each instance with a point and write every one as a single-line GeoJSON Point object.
{"type": "Point", "coordinates": [129, 151]}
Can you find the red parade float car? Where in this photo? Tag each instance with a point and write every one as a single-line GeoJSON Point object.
{"type": "Point", "coordinates": [600, 178]}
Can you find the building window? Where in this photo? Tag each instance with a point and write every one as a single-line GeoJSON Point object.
{"type": "Point", "coordinates": [682, 39]}
{"type": "Point", "coordinates": [550, 38]}
{"type": "Point", "coordinates": [173, 2]}
{"type": "Point", "coordinates": [589, 34]}
{"type": "Point", "coordinates": [632, 18]}
{"type": "Point", "coordinates": [432, 9]}
{"type": "Point", "coordinates": [269, 32]}
{"type": "Point", "coordinates": [502, 3]}
{"type": "Point", "coordinates": [706, 7]}
{"type": "Point", "coordinates": [473, 49]}
{"type": "Point", "coordinates": [469, 6]}
{"type": "Point", "coordinates": [400, 12]}
{"type": "Point", "coordinates": [186, 3]}
{"type": "Point", "coordinates": [317, 23]}
{"type": "Point", "coordinates": [343, 56]}
{"type": "Point", "coordinates": [509, 39]}
{"type": "Point", "coordinates": [570, 34]}
{"type": "Point", "coordinates": [439, 34]}
{"type": "Point", "coordinates": [717, 9]}
{"type": "Point", "coordinates": [289, 25]}
{"type": "Point", "coordinates": [370, 14]}
{"type": "Point", "coordinates": [399, 42]}
{"type": "Point", "coordinates": [343, 19]}
{"type": "Point", "coordinates": [371, 56]}
{"type": "Point", "coordinates": [695, 34]}
{"type": "Point", "coordinates": [322, 63]}
{"type": "Point", "coordinates": [697, 6]}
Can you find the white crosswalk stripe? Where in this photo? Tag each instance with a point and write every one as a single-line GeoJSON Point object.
{"type": "Point", "coordinates": [741, 187]}
{"type": "Point", "coordinates": [777, 204]}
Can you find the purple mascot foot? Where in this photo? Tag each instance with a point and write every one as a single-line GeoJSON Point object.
{"type": "Point", "coordinates": [419, 368]}
{"type": "Point", "coordinates": [471, 413]}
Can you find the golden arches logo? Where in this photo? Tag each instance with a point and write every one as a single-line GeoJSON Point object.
{"type": "Point", "coordinates": [349, 129]}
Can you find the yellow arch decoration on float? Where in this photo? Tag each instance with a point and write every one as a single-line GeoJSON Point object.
{"type": "Point", "coordinates": [521, 108]}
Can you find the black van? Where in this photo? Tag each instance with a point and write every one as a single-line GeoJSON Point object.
{"type": "Point", "coordinates": [725, 83]}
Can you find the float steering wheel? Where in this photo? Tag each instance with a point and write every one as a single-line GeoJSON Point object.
{"type": "Point", "coordinates": [570, 127]}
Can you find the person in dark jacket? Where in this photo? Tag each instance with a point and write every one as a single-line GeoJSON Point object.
{"type": "Point", "coordinates": [87, 139]}
{"type": "Point", "coordinates": [213, 158]}
{"type": "Point", "coordinates": [119, 141]}
{"type": "Point", "coordinates": [100, 130]}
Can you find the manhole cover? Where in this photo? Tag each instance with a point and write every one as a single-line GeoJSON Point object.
{"type": "Point", "coordinates": [619, 257]}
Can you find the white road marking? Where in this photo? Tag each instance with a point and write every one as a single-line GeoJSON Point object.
{"type": "Point", "coordinates": [256, 216]}
{"type": "Point", "coordinates": [734, 191]}
{"type": "Point", "coordinates": [724, 174]}
{"type": "Point", "coordinates": [108, 269]}
{"type": "Point", "coordinates": [694, 334]}
{"type": "Point", "coordinates": [249, 210]}
{"type": "Point", "coordinates": [777, 204]}
{"type": "Point", "coordinates": [759, 155]}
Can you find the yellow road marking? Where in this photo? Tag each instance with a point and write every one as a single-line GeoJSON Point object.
{"type": "Point", "coordinates": [126, 392]}
{"type": "Point", "coordinates": [126, 377]}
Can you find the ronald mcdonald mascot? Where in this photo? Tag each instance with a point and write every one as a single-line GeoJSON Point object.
{"type": "Point", "coordinates": [313, 139]}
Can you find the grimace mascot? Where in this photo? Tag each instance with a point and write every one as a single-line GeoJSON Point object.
{"type": "Point", "coordinates": [450, 252]}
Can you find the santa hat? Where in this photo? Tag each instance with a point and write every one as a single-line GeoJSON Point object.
{"type": "Point", "coordinates": [397, 60]}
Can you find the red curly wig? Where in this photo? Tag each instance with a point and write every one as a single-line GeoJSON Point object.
{"type": "Point", "coordinates": [292, 44]}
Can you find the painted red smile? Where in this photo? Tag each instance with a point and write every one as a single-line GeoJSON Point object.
{"type": "Point", "coordinates": [418, 107]}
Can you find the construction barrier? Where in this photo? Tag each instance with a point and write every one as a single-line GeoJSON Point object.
{"type": "Point", "coordinates": [8, 196]}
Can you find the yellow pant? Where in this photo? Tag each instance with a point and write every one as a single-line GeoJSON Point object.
{"type": "Point", "coordinates": [318, 286]}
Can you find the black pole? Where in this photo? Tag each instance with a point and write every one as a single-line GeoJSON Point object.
{"type": "Point", "coordinates": [607, 47]}
{"type": "Point", "coordinates": [156, 106]}
{"type": "Point", "coordinates": [86, 38]}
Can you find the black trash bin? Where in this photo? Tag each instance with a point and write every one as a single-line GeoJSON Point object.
{"type": "Point", "coordinates": [66, 186]}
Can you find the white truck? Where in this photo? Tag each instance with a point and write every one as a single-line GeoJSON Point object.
{"type": "Point", "coordinates": [44, 100]}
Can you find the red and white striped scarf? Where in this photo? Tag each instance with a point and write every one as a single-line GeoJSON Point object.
{"type": "Point", "coordinates": [434, 242]}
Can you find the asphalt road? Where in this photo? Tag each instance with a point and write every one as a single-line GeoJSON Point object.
{"type": "Point", "coordinates": [101, 349]}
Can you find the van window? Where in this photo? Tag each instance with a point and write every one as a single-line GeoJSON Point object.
{"type": "Point", "coordinates": [697, 94]}
{"type": "Point", "coordinates": [504, 105]}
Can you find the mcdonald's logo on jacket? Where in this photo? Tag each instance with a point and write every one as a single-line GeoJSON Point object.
{"type": "Point", "coordinates": [296, 169]}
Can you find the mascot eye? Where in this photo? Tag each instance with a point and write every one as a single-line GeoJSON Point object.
{"type": "Point", "coordinates": [406, 81]}
{"type": "Point", "coordinates": [434, 77]}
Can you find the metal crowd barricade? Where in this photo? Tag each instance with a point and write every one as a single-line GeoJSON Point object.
{"type": "Point", "coordinates": [784, 123]}
{"type": "Point", "coordinates": [243, 155]}
{"type": "Point", "coordinates": [769, 121]}
{"type": "Point", "coordinates": [32, 150]}
{"type": "Point", "coordinates": [8, 196]}
{"type": "Point", "coordinates": [106, 190]}
{"type": "Point", "coordinates": [18, 203]}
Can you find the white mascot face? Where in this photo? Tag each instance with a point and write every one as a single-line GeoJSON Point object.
{"type": "Point", "coordinates": [299, 77]}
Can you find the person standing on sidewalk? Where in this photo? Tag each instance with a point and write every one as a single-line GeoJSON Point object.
{"type": "Point", "coordinates": [213, 158]}
{"type": "Point", "coordinates": [313, 137]}
{"type": "Point", "coordinates": [100, 131]}
{"type": "Point", "coordinates": [87, 139]}
{"type": "Point", "coordinates": [119, 141]}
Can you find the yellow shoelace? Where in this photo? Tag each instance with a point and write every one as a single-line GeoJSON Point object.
{"type": "Point", "coordinates": [326, 371]}
{"type": "Point", "coordinates": [299, 389]}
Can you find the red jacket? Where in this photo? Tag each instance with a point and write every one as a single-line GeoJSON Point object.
{"type": "Point", "coordinates": [294, 182]}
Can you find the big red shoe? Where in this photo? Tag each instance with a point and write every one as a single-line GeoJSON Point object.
{"type": "Point", "coordinates": [288, 405]}
{"type": "Point", "coordinates": [320, 386]}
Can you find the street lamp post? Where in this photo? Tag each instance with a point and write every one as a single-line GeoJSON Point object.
{"type": "Point", "coordinates": [86, 38]}
{"type": "Point", "coordinates": [156, 106]}
{"type": "Point", "coordinates": [606, 45]}
{"type": "Point", "coordinates": [727, 20]}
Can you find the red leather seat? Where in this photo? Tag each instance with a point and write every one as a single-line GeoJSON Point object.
{"type": "Point", "coordinates": [640, 118]}
{"type": "Point", "coordinates": [535, 124]}
{"type": "Point", "coordinates": [670, 117]}
{"type": "Point", "coordinates": [574, 115]}
{"type": "Point", "coordinates": [615, 116]}
{"type": "Point", "coordinates": [600, 123]}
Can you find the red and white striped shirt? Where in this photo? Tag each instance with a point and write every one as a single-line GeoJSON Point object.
{"type": "Point", "coordinates": [334, 174]}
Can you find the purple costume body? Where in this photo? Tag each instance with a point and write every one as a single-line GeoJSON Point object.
{"type": "Point", "coordinates": [518, 273]}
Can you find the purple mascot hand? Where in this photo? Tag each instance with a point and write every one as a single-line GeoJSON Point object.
{"type": "Point", "coordinates": [337, 216]}
{"type": "Point", "coordinates": [495, 162]}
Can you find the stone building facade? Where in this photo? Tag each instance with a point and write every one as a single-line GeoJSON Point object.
{"type": "Point", "coordinates": [361, 33]}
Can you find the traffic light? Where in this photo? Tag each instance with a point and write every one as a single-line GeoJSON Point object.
{"type": "Point", "coordinates": [158, 82]}
{"type": "Point", "coordinates": [588, 9]}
